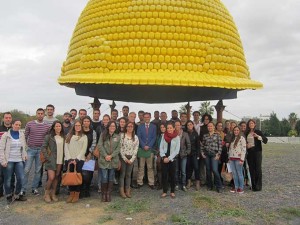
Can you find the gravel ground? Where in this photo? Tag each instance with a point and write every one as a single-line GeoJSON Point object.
{"type": "Point", "coordinates": [278, 203]}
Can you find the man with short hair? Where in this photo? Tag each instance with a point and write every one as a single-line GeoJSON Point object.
{"type": "Point", "coordinates": [147, 137]}
{"type": "Point", "coordinates": [156, 120]}
{"type": "Point", "coordinates": [96, 119]}
{"type": "Point", "coordinates": [174, 116]}
{"type": "Point", "coordinates": [163, 117]}
{"type": "Point", "coordinates": [197, 123]}
{"type": "Point", "coordinates": [183, 120]}
{"type": "Point", "coordinates": [141, 117]}
{"type": "Point", "coordinates": [74, 115]}
{"type": "Point", "coordinates": [114, 115]}
{"type": "Point", "coordinates": [5, 126]}
{"type": "Point", "coordinates": [35, 132]}
{"type": "Point", "coordinates": [82, 113]}
{"type": "Point", "coordinates": [125, 111]}
{"type": "Point", "coordinates": [67, 117]}
{"type": "Point", "coordinates": [49, 118]}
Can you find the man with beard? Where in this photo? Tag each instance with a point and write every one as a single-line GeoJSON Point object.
{"type": "Point", "coordinates": [125, 111]}
{"type": "Point", "coordinates": [174, 116]}
{"type": "Point", "coordinates": [5, 126]}
{"type": "Point", "coordinates": [67, 122]}
{"type": "Point", "coordinates": [82, 113]}
{"type": "Point", "coordinates": [74, 115]}
{"type": "Point", "coordinates": [49, 119]}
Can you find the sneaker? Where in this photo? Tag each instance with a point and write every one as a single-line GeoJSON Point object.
{"type": "Point", "coordinates": [22, 193]}
{"type": "Point", "coordinates": [176, 188]}
{"type": "Point", "coordinates": [9, 199]}
{"type": "Point", "coordinates": [184, 188]}
{"type": "Point", "coordinates": [35, 192]}
{"type": "Point", "coordinates": [21, 198]}
{"type": "Point", "coordinates": [232, 190]}
{"type": "Point", "coordinates": [240, 191]}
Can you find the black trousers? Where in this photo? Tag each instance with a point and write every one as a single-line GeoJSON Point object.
{"type": "Point", "coordinates": [168, 174]}
{"type": "Point", "coordinates": [254, 161]}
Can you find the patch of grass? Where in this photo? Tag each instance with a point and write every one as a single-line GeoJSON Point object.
{"type": "Point", "coordinates": [291, 212]}
{"type": "Point", "coordinates": [202, 201]}
{"type": "Point", "coordinates": [180, 219]}
{"type": "Point", "coordinates": [104, 219]}
{"type": "Point", "coordinates": [129, 207]}
{"type": "Point", "coordinates": [232, 212]}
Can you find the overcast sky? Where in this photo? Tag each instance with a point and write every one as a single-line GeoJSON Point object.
{"type": "Point", "coordinates": [35, 34]}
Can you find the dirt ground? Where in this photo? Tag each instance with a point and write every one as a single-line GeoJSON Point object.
{"type": "Point", "coordinates": [278, 203]}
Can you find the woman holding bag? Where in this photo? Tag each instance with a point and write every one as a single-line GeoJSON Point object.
{"type": "Point", "coordinates": [109, 145]}
{"type": "Point", "coordinates": [128, 152]}
{"type": "Point", "coordinates": [237, 152]}
{"type": "Point", "coordinates": [53, 152]}
{"type": "Point", "coordinates": [75, 149]}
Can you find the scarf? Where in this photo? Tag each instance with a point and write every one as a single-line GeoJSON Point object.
{"type": "Point", "coordinates": [168, 137]}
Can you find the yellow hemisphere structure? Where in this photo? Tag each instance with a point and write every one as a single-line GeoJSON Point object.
{"type": "Point", "coordinates": [121, 48]}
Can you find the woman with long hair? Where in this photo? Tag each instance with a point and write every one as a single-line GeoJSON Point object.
{"type": "Point", "coordinates": [128, 153]}
{"type": "Point", "coordinates": [122, 123]}
{"type": "Point", "coordinates": [169, 149]}
{"type": "Point", "coordinates": [192, 159]}
{"type": "Point", "coordinates": [87, 175]}
{"type": "Point", "coordinates": [12, 157]}
{"type": "Point", "coordinates": [53, 151]}
{"type": "Point", "coordinates": [109, 145]}
{"type": "Point", "coordinates": [75, 148]}
{"type": "Point", "coordinates": [254, 139]}
{"type": "Point", "coordinates": [160, 136]}
{"type": "Point", "coordinates": [237, 152]}
{"type": "Point", "coordinates": [211, 151]}
{"type": "Point", "coordinates": [185, 150]}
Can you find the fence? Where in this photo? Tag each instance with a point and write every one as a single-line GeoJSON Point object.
{"type": "Point", "coordinates": [290, 140]}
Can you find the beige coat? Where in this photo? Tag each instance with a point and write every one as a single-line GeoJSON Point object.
{"type": "Point", "coordinates": [5, 143]}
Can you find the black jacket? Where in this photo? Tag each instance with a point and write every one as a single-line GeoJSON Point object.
{"type": "Point", "coordinates": [257, 143]}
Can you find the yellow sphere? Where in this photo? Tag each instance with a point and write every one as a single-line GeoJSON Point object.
{"type": "Point", "coordinates": [141, 41]}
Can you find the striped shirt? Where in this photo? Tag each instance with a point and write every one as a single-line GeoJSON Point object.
{"type": "Point", "coordinates": [35, 133]}
{"type": "Point", "coordinates": [15, 154]}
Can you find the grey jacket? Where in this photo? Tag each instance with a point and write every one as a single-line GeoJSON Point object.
{"type": "Point", "coordinates": [5, 143]}
{"type": "Point", "coordinates": [185, 145]}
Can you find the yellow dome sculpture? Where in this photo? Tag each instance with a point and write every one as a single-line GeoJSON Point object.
{"type": "Point", "coordinates": [157, 43]}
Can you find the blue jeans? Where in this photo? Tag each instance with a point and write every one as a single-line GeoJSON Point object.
{"type": "Point", "coordinates": [107, 175]}
{"type": "Point", "coordinates": [181, 171]}
{"type": "Point", "coordinates": [212, 166]}
{"type": "Point", "coordinates": [33, 154]}
{"type": "Point", "coordinates": [11, 169]}
{"type": "Point", "coordinates": [237, 173]}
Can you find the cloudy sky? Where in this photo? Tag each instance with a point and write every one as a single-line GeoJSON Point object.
{"type": "Point", "coordinates": [35, 34]}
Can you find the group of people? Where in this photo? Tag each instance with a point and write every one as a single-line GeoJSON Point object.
{"type": "Point", "coordinates": [166, 153]}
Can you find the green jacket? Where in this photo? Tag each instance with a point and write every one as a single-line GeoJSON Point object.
{"type": "Point", "coordinates": [50, 142]}
{"type": "Point", "coordinates": [111, 147]}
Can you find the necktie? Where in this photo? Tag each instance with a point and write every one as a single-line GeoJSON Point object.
{"type": "Point", "coordinates": [147, 129]}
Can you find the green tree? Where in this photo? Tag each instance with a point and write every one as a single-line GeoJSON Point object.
{"type": "Point", "coordinates": [182, 109]}
{"type": "Point", "coordinates": [297, 127]}
{"type": "Point", "coordinates": [293, 120]}
{"type": "Point", "coordinates": [206, 108]}
{"type": "Point", "coordinates": [274, 125]}
{"type": "Point", "coordinates": [285, 127]}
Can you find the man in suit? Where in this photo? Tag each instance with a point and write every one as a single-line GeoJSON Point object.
{"type": "Point", "coordinates": [147, 136]}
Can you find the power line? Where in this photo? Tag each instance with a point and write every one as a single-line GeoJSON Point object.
{"type": "Point", "coordinates": [233, 114]}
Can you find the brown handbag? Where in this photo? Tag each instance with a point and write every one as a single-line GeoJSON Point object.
{"type": "Point", "coordinates": [225, 174]}
{"type": "Point", "coordinates": [96, 152]}
{"type": "Point", "coordinates": [42, 156]}
{"type": "Point", "coordinates": [71, 178]}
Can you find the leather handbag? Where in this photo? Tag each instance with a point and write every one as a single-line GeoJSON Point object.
{"type": "Point", "coordinates": [96, 152]}
{"type": "Point", "coordinates": [225, 174]}
{"type": "Point", "coordinates": [42, 156]}
{"type": "Point", "coordinates": [71, 178]}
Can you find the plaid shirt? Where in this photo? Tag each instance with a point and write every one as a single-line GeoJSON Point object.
{"type": "Point", "coordinates": [211, 145]}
